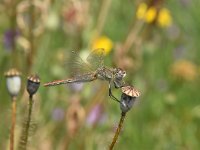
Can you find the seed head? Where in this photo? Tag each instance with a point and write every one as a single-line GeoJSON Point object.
{"type": "Point", "coordinates": [128, 97]}
{"type": "Point", "coordinates": [13, 81]}
{"type": "Point", "coordinates": [33, 83]}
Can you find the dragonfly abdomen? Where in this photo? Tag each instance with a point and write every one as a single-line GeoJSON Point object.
{"type": "Point", "coordinates": [83, 78]}
{"type": "Point", "coordinates": [58, 82]}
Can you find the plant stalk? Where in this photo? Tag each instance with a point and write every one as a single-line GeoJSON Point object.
{"type": "Point", "coordinates": [12, 131]}
{"type": "Point", "coordinates": [117, 132]}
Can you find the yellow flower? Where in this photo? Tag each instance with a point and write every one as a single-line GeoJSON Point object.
{"type": "Point", "coordinates": [141, 11]}
{"type": "Point", "coordinates": [150, 15]}
{"type": "Point", "coordinates": [184, 70]}
{"type": "Point", "coordinates": [103, 42]}
{"type": "Point", "coordinates": [164, 18]}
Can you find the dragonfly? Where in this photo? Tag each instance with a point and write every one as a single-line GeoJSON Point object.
{"type": "Point", "coordinates": [92, 69]}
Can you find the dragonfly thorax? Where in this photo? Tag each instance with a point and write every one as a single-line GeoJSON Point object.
{"type": "Point", "coordinates": [104, 73]}
{"type": "Point", "coordinates": [115, 75]}
{"type": "Point", "coordinates": [119, 74]}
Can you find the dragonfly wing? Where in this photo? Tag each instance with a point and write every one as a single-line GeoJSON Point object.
{"type": "Point", "coordinates": [96, 58]}
{"type": "Point", "coordinates": [77, 66]}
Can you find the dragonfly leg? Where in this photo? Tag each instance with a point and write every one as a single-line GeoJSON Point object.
{"type": "Point", "coordinates": [111, 95]}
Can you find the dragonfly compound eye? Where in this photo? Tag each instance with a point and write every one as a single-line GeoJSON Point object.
{"type": "Point", "coordinates": [124, 73]}
{"type": "Point", "coordinates": [120, 73]}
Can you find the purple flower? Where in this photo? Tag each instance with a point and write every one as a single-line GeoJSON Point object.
{"type": "Point", "coordinates": [9, 38]}
{"type": "Point", "coordinates": [96, 115]}
{"type": "Point", "coordinates": [179, 52]}
{"type": "Point", "coordinates": [76, 87]}
{"type": "Point", "coordinates": [58, 114]}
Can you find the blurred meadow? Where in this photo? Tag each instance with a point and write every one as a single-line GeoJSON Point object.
{"type": "Point", "coordinates": [155, 41]}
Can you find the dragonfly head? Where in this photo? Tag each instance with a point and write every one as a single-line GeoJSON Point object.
{"type": "Point", "coordinates": [119, 73]}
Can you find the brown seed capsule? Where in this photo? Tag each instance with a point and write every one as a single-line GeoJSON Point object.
{"type": "Point", "coordinates": [128, 97]}
{"type": "Point", "coordinates": [33, 84]}
{"type": "Point", "coordinates": [130, 91]}
{"type": "Point", "coordinates": [13, 81]}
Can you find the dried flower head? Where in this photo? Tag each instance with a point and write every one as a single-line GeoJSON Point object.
{"type": "Point", "coordinates": [75, 116]}
{"type": "Point", "coordinates": [184, 70]}
{"type": "Point", "coordinates": [13, 81]}
{"type": "Point", "coordinates": [130, 91]}
{"type": "Point", "coordinates": [128, 97]}
{"type": "Point", "coordinates": [33, 84]}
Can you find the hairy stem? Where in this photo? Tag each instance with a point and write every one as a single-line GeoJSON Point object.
{"type": "Point", "coordinates": [117, 132]}
{"type": "Point", "coordinates": [25, 134]}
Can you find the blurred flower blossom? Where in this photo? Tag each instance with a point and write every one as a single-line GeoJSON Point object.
{"type": "Point", "coordinates": [24, 20]}
{"type": "Point", "coordinates": [58, 114]}
{"type": "Point", "coordinates": [164, 18]}
{"type": "Point", "coordinates": [103, 42]}
{"type": "Point", "coordinates": [74, 14]}
{"type": "Point", "coordinates": [70, 14]}
{"type": "Point", "coordinates": [151, 14]}
{"type": "Point", "coordinates": [146, 14]}
{"type": "Point", "coordinates": [52, 22]}
{"type": "Point", "coordinates": [9, 38]}
{"type": "Point", "coordinates": [184, 70]}
{"type": "Point", "coordinates": [76, 86]}
{"type": "Point", "coordinates": [95, 115]}
{"type": "Point", "coordinates": [141, 11]}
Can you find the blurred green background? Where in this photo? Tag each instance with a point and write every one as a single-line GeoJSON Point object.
{"type": "Point", "coordinates": [155, 41]}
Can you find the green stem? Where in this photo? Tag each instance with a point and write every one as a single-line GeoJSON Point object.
{"type": "Point", "coordinates": [27, 125]}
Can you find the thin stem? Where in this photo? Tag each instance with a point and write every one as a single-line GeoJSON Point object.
{"type": "Point", "coordinates": [31, 35]}
{"type": "Point", "coordinates": [103, 15]}
{"type": "Point", "coordinates": [132, 36]}
{"type": "Point", "coordinates": [117, 132]}
{"type": "Point", "coordinates": [27, 125]}
{"type": "Point", "coordinates": [13, 26]}
{"type": "Point", "coordinates": [28, 119]}
{"type": "Point", "coordinates": [12, 131]}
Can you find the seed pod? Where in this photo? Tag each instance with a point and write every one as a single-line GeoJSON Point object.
{"type": "Point", "coordinates": [33, 84]}
{"type": "Point", "coordinates": [13, 81]}
{"type": "Point", "coordinates": [130, 91]}
{"type": "Point", "coordinates": [128, 97]}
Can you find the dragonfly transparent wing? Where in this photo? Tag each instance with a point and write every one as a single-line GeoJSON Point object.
{"type": "Point", "coordinates": [77, 66]}
{"type": "Point", "coordinates": [96, 58]}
